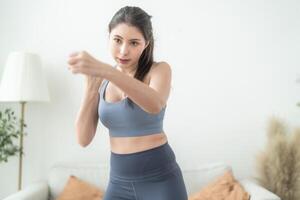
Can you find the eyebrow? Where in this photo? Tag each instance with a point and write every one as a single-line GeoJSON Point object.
{"type": "Point", "coordinates": [134, 39]}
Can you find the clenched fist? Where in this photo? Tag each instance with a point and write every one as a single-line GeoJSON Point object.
{"type": "Point", "coordinates": [84, 63]}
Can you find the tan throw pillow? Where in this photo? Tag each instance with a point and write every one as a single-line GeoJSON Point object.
{"type": "Point", "coordinates": [223, 188]}
{"type": "Point", "coordinates": [76, 189]}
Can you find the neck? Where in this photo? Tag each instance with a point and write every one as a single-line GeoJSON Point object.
{"type": "Point", "coordinates": [128, 70]}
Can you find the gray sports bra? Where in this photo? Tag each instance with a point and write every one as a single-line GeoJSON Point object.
{"type": "Point", "coordinates": [123, 120]}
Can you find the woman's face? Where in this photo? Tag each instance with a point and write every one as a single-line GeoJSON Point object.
{"type": "Point", "coordinates": [126, 45]}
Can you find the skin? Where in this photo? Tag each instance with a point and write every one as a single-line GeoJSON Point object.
{"type": "Point", "coordinates": [125, 42]}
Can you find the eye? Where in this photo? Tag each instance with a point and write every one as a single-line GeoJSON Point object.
{"type": "Point", "coordinates": [117, 40]}
{"type": "Point", "coordinates": [134, 43]}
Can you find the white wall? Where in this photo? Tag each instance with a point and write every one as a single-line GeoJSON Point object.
{"type": "Point", "coordinates": [234, 65]}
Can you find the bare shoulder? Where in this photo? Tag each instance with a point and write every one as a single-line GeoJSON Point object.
{"type": "Point", "coordinates": [160, 68]}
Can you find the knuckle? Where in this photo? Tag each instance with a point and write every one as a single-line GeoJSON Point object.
{"type": "Point", "coordinates": [81, 54]}
{"type": "Point", "coordinates": [82, 63]}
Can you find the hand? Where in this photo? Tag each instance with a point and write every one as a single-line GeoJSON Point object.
{"type": "Point", "coordinates": [82, 62]}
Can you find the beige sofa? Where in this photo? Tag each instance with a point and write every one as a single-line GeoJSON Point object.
{"type": "Point", "coordinates": [195, 177]}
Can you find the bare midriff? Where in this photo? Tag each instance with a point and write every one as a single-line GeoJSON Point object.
{"type": "Point", "coordinates": [124, 145]}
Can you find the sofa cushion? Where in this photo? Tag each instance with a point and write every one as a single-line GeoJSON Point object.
{"type": "Point", "coordinates": [224, 187]}
{"type": "Point", "coordinates": [197, 176]}
{"type": "Point", "coordinates": [93, 173]}
{"type": "Point", "coordinates": [77, 189]}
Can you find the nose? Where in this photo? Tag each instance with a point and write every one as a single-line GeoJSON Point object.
{"type": "Point", "coordinates": [124, 49]}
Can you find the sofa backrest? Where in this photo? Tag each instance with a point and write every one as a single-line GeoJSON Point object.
{"type": "Point", "coordinates": [195, 177]}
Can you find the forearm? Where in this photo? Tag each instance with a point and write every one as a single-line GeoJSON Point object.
{"type": "Point", "coordinates": [136, 90]}
{"type": "Point", "coordinates": [87, 118]}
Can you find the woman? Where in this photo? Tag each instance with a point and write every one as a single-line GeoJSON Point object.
{"type": "Point", "coordinates": [130, 99]}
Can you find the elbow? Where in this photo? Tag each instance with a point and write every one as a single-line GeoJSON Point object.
{"type": "Point", "coordinates": [82, 144]}
{"type": "Point", "coordinates": [155, 112]}
{"type": "Point", "coordinates": [157, 109]}
{"type": "Point", "coordinates": [83, 139]}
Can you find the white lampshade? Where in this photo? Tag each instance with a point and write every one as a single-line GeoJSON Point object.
{"type": "Point", "coordinates": [23, 79]}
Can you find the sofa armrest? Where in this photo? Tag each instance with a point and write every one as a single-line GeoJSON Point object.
{"type": "Point", "coordinates": [36, 191]}
{"type": "Point", "coordinates": [257, 192]}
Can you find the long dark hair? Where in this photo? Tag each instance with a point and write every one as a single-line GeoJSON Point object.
{"type": "Point", "coordinates": [138, 18]}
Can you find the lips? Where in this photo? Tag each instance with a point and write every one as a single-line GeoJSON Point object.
{"type": "Point", "coordinates": [124, 60]}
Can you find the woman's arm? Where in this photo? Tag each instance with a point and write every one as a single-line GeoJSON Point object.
{"type": "Point", "coordinates": [153, 97]}
{"type": "Point", "coordinates": [87, 117]}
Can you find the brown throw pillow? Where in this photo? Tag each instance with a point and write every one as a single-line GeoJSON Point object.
{"type": "Point", "coordinates": [76, 189]}
{"type": "Point", "coordinates": [223, 188]}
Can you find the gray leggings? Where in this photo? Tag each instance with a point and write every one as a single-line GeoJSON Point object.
{"type": "Point", "coordinates": [152, 174]}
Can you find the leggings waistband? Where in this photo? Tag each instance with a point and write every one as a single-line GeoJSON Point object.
{"type": "Point", "coordinates": [152, 162]}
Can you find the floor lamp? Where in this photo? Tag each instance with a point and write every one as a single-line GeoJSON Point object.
{"type": "Point", "coordinates": [23, 81]}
